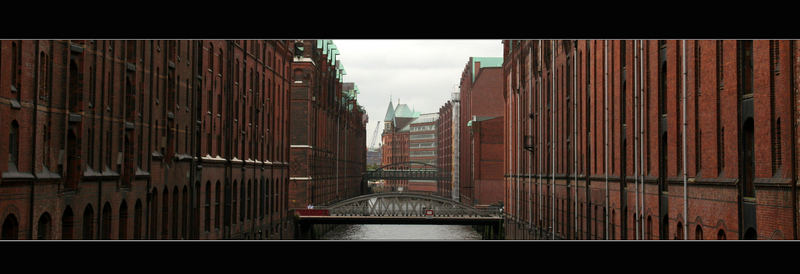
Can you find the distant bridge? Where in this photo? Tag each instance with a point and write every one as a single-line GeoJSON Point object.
{"type": "Point", "coordinates": [406, 171]}
{"type": "Point", "coordinates": [400, 208]}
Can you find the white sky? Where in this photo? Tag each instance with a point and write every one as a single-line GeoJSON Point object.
{"type": "Point", "coordinates": [421, 73]}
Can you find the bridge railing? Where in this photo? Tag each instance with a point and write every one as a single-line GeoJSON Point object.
{"type": "Point", "coordinates": [421, 212]}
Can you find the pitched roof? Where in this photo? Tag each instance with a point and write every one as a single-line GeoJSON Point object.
{"type": "Point", "coordinates": [402, 110]}
{"type": "Point", "coordinates": [389, 113]}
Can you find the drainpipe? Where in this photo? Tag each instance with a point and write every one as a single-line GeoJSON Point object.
{"type": "Point", "coordinates": [641, 136]}
{"type": "Point", "coordinates": [553, 137]}
{"type": "Point", "coordinates": [641, 132]}
{"type": "Point", "coordinates": [338, 113]}
{"type": "Point", "coordinates": [517, 150]}
{"type": "Point", "coordinates": [791, 134]}
{"type": "Point", "coordinates": [575, 128]}
{"type": "Point", "coordinates": [530, 133]}
{"type": "Point", "coordinates": [683, 117]}
{"type": "Point", "coordinates": [636, 137]}
{"type": "Point", "coordinates": [605, 123]}
{"type": "Point", "coordinates": [539, 111]}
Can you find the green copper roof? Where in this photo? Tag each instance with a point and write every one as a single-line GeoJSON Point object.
{"type": "Point", "coordinates": [486, 62]}
{"type": "Point", "coordinates": [389, 113]}
{"type": "Point", "coordinates": [403, 111]}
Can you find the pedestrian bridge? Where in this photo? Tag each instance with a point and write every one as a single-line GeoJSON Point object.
{"type": "Point", "coordinates": [400, 208]}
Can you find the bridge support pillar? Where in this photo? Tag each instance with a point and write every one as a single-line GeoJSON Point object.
{"type": "Point", "coordinates": [304, 231]}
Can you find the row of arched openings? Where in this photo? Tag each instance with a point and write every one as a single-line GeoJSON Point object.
{"type": "Point", "coordinates": [45, 231]}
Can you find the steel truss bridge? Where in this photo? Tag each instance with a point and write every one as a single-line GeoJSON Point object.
{"type": "Point", "coordinates": [406, 171]}
{"type": "Point", "coordinates": [402, 208]}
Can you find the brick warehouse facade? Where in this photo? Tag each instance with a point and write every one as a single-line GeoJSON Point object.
{"type": "Point", "coordinates": [444, 149]}
{"type": "Point", "coordinates": [578, 107]}
{"type": "Point", "coordinates": [486, 159]}
{"type": "Point", "coordinates": [144, 139]}
{"type": "Point", "coordinates": [396, 140]}
{"type": "Point", "coordinates": [479, 84]}
{"type": "Point", "coordinates": [328, 133]}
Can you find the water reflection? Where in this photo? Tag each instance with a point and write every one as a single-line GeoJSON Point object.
{"type": "Point", "coordinates": [402, 232]}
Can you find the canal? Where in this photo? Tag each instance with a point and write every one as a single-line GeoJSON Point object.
{"type": "Point", "coordinates": [402, 232]}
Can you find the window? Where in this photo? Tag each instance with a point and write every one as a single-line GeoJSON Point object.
{"type": "Point", "coordinates": [13, 149]}
{"type": "Point", "coordinates": [15, 62]}
{"type": "Point", "coordinates": [174, 224]}
{"type": "Point", "coordinates": [207, 220]}
{"type": "Point", "coordinates": [43, 227]}
{"type": "Point", "coordinates": [748, 159]}
{"type": "Point", "coordinates": [105, 227]}
{"type": "Point", "coordinates": [66, 224]}
{"type": "Point", "coordinates": [745, 63]}
{"type": "Point", "coordinates": [217, 215]}
{"type": "Point", "coordinates": [123, 221]}
{"type": "Point", "coordinates": [137, 220]}
{"type": "Point", "coordinates": [10, 228]}
{"type": "Point", "coordinates": [88, 222]}
{"type": "Point", "coordinates": [698, 232]}
{"type": "Point", "coordinates": [721, 235]}
{"type": "Point", "coordinates": [165, 214]}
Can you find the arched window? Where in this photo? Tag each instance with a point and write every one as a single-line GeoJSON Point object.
{"type": "Point", "coordinates": [13, 147]}
{"type": "Point", "coordinates": [721, 235]}
{"type": "Point", "coordinates": [217, 215]}
{"type": "Point", "coordinates": [10, 228]}
{"type": "Point", "coordinates": [698, 232]}
{"type": "Point", "coordinates": [679, 231]}
{"type": "Point", "coordinates": [750, 234]}
{"type": "Point", "coordinates": [67, 224]}
{"type": "Point", "coordinates": [165, 214]}
{"type": "Point", "coordinates": [184, 212]}
{"type": "Point", "coordinates": [262, 199]}
{"type": "Point", "coordinates": [153, 215]}
{"type": "Point", "coordinates": [88, 223]}
{"type": "Point", "coordinates": [175, 223]}
{"type": "Point", "coordinates": [123, 221]}
{"type": "Point", "coordinates": [207, 221]}
{"type": "Point", "coordinates": [105, 227]}
{"type": "Point", "coordinates": [649, 228]}
{"type": "Point", "coordinates": [43, 227]}
{"type": "Point", "coordinates": [137, 220]}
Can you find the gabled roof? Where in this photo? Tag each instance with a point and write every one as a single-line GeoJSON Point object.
{"type": "Point", "coordinates": [486, 62]}
{"type": "Point", "coordinates": [402, 110]}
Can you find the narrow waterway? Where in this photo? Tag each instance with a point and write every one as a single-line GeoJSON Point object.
{"type": "Point", "coordinates": [402, 232]}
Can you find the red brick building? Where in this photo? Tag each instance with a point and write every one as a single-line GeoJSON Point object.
{"type": "Point", "coordinates": [396, 140]}
{"type": "Point", "coordinates": [480, 82]}
{"type": "Point", "coordinates": [597, 146]}
{"type": "Point", "coordinates": [144, 139]}
{"type": "Point", "coordinates": [328, 129]}
{"type": "Point", "coordinates": [444, 149]}
{"type": "Point", "coordinates": [486, 159]}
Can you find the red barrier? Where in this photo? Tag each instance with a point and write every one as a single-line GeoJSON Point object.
{"type": "Point", "coordinates": [312, 212]}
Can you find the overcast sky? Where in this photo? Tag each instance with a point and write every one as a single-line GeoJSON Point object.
{"type": "Point", "coordinates": [420, 73]}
